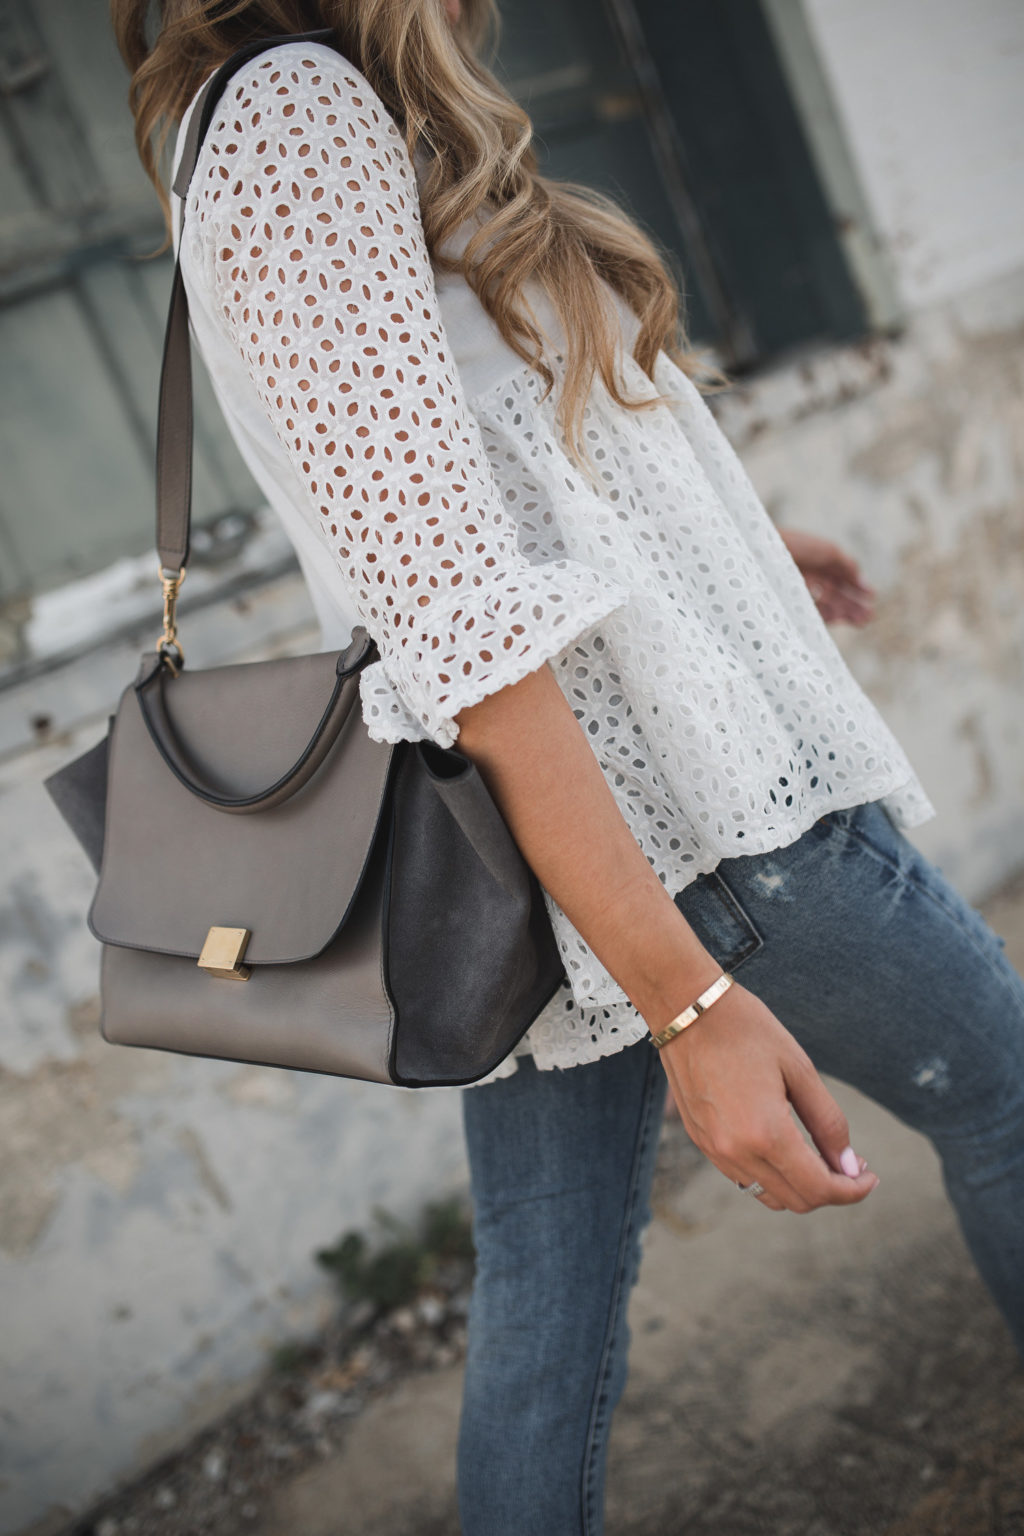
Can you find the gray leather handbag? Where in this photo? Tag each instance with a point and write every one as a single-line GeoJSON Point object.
{"type": "Point", "coordinates": [275, 887]}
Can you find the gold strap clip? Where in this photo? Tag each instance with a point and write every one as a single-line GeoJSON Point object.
{"type": "Point", "coordinates": [169, 646]}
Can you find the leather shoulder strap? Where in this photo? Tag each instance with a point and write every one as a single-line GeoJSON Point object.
{"type": "Point", "coordinates": [174, 417]}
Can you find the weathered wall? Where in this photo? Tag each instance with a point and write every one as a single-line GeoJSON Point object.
{"type": "Point", "coordinates": [157, 1216]}
{"type": "Point", "coordinates": [911, 453]}
{"type": "Point", "coordinates": [929, 93]}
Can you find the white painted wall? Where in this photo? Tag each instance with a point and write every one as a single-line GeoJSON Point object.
{"type": "Point", "coordinates": [158, 1217]}
{"type": "Point", "coordinates": [931, 97]}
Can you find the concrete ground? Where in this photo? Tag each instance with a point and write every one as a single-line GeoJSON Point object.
{"type": "Point", "coordinates": [843, 1374]}
{"type": "Point", "coordinates": [838, 1375]}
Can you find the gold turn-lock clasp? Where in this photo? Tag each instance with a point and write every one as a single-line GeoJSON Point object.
{"type": "Point", "coordinates": [169, 646]}
{"type": "Point", "coordinates": [223, 952]}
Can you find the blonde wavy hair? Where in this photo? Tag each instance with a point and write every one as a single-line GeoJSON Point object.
{"type": "Point", "coordinates": [428, 73]}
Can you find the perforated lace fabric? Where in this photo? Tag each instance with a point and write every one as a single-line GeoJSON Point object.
{"type": "Point", "coordinates": [426, 485]}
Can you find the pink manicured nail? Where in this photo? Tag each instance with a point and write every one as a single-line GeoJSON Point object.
{"type": "Point", "coordinates": [848, 1162]}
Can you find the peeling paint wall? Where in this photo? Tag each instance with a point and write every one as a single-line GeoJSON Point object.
{"type": "Point", "coordinates": [158, 1216]}
{"type": "Point", "coordinates": [910, 452]}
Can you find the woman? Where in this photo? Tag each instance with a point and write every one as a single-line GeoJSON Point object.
{"type": "Point", "coordinates": [463, 390]}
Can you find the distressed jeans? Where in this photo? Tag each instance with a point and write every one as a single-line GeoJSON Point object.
{"type": "Point", "coordinates": [889, 980]}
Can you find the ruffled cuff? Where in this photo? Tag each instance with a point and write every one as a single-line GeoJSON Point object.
{"type": "Point", "coordinates": [491, 636]}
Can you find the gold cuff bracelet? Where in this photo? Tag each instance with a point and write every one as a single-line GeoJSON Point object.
{"type": "Point", "coordinates": [684, 1019]}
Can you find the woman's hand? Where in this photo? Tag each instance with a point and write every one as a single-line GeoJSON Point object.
{"type": "Point", "coordinates": [735, 1074]}
{"type": "Point", "coordinates": [833, 578]}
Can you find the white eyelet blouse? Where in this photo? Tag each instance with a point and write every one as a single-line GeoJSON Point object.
{"type": "Point", "coordinates": [428, 493]}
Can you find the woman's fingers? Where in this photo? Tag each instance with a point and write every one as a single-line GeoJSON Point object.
{"type": "Point", "coordinates": [801, 1178]}
{"type": "Point", "coordinates": [834, 580]}
{"type": "Point", "coordinates": [775, 1198]}
{"type": "Point", "coordinates": [804, 1187]}
{"type": "Point", "coordinates": [769, 1202]}
{"type": "Point", "coordinates": [803, 1184]}
{"type": "Point", "coordinates": [794, 1175]}
{"type": "Point", "coordinates": [828, 1126]}
{"type": "Point", "coordinates": [841, 568]}
{"type": "Point", "coordinates": [839, 601]}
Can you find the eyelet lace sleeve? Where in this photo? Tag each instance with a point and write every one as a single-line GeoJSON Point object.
{"type": "Point", "coordinates": [306, 213]}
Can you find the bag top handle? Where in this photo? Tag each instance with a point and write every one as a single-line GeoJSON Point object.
{"type": "Point", "coordinates": [174, 418]}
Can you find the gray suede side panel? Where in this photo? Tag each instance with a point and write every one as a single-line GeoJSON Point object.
{"type": "Point", "coordinates": [79, 791]}
{"type": "Point", "coordinates": [471, 955]}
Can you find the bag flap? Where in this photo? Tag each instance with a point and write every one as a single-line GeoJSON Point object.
{"type": "Point", "coordinates": [174, 866]}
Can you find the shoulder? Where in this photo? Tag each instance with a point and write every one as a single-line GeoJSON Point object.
{"type": "Point", "coordinates": [300, 86]}
{"type": "Point", "coordinates": [296, 116]}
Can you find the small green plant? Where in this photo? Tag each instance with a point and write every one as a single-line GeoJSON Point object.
{"type": "Point", "coordinates": [392, 1272]}
{"type": "Point", "coordinates": [448, 1230]}
{"type": "Point", "coordinates": [289, 1356]}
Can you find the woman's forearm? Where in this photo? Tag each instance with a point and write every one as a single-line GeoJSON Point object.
{"type": "Point", "coordinates": [543, 774]}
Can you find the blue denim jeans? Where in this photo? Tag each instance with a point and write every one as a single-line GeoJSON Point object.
{"type": "Point", "coordinates": [889, 980]}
